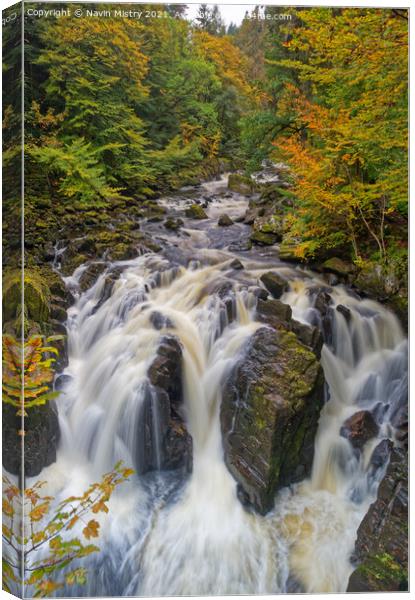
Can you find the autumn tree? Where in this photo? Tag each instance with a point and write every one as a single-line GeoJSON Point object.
{"type": "Point", "coordinates": [349, 144]}
{"type": "Point", "coordinates": [43, 550]}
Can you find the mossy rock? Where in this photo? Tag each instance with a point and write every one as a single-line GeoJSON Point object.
{"type": "Point", "coordinates": [274, 283]}
{"type": "Point", "coordinates": [381, 548]}
{"type": "Point", "coordinates": [269, 414]}
{"type": "Point", "coordinates": [263, 239]}
{"type": "Point", "coordinates": [240, 184]}
{"type": "Point", "coordinates": [288, 250]}
{"type": "Point", "coordinates": [338, 267]}
{"type": "Point", "coordinates": [195, 211]}
{"type": "Point", "coordinates": [122, 252]}
{"type": "Point", "coordinates": [173, 224]}
{"type": "Point", "coordinates": [36, 296]}
{"type": "Point", "coordinates": [270, 224]}
{"type": "Point", "coordinates": [225, 221]}
{"type": "Point", "coordinates": [380, 573]}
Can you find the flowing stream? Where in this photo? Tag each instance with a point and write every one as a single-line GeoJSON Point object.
{"type": "Point", "coordinates": [164, 536]}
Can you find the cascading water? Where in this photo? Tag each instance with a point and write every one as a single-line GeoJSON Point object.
{"type": "Point", "coordinates": [166, 537]}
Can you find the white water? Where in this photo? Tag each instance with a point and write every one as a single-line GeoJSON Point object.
{"type": "Point", "coordinates": [162, 538]}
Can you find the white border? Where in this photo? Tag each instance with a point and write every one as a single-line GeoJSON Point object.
{"type": "Point", "coordinates": [362, 3]}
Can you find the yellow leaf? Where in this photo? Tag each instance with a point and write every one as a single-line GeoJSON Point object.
{"type": "Point", "coordinates": [8, 508]}
{"type": "Point", "coordinates": [91, 530]}
{"type": "Point", "coordinates": [38, 537]}
{"type": "Point", "coordinates": [39, 512]}
{"type": "Point", "coordinates": [100, 506]}
{"type": "Point", "coordinates": [72, 522]}
{"type": "Point", "coordinates": [7, 532]}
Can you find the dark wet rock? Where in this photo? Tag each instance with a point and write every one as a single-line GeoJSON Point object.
{"type": "Point", "coordinates": [240, 184]}
{"type": "Point", "coordinates": [236, 264]}
{"type": "Point", "coordinates": [163, 440]}
{"type": "Point", "coordinates": [240, 245]}
{"type": "Point", "coordinates": [86, 245]}
{"type": "Point", "coordinates": [273, 312]}
{"type": "Point", "coordinates": [338, 267]}
{"type": "Point", "coordinates": [294, 586]}
{"type": "Point", "coordinates": [91, 274]}
{"type": "Point", "coordinates": [58, 312]}
{"type": "Point", "coordinates": [225, 221]}
{"type": "Point", "coordinates": [274, 283]}
{"type": "Point", "coordinates": [263, 239]}
{"type": "Point", "coordinates": [331, 279]}
{"type": "Point", "coordinates": [222, 288]}
{"type": "Point", "coordinates": [259, 293]}
{"type": "Point", "coordinates": [250, 216]}
{"type": "Point", "coordinates": [309, 335]}
{"type": "Point", "coordinates": [270, 408]}
{"type": "Point", "coordinates": [399, 416]}
{"type": "Point", "coordinates": [195, 212]}
{"type": "Point", "coordinates": [41, 439]}
{"type": "Point", "coordinates": [381, 549]}
{"type": "Point", "coordinates": [173, 224]}
{"type": "Point", "coordinates": [359, 428]}
{"type": "Point", "coordinates": [381, 454]}
{"type": "Point", "coordinates": [106, 291]}
{"type": "Point", "coordinates": [323, 302]}
{"type": "Point", "coordinates": [49, 252]}
{"type": "Point", "coordinates": [160, 321]}
{"type": "Point", "coordinates": [343, 310]}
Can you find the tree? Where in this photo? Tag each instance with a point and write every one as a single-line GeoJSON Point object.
{"type": "Point", "coordinates": [335, 110]}
{"type": "Point", "coordinates": [210, 20]}
{"type": "Point", "coordinates": [95, 107]}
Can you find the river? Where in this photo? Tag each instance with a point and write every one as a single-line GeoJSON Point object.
{"type": "Point", "coordinates": [169, 536]}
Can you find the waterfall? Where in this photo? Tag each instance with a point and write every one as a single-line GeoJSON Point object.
{"type": "Point", "coordinates": [172, 536]}
{"type": "Point", "coordinates": [365, 366]}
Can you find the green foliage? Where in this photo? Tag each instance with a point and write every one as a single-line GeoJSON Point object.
{"type": "Point", "coordinates": [53, 536]}
{"type": "Point", "coordinates": [76, 170]}
{"type": "Point", "coordinates": [148, 106]}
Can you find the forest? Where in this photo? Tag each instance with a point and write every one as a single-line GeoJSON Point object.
{"type": "Point", "coordinates": [166, 102]}
{"type": "Point", "coordinates": [215, 254]}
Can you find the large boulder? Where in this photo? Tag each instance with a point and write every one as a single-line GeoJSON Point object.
{"type": "Point", "coordinates": [274, 283]}
{"type": "Point", "coordinates": [269, 413]}
{"type": "Point", "coordinates": [173, 224]}
{"type": "Point", "coordinates": [270, 223]}
{"type": "Point", "coordinates": [338, 267]}
{"type": "Point", "coordinates": [195, 211]}
{"type": "Point", "coordinates": [40, 441]}
{"type": "Point", "coordinates": [225, 221]}
{"type": "Point", "coordinates": [359, 428]}
{"type": "Point", "coordinates": [240, 184]}
{"type": "Point", "coordinates": [263, 239]}
{"type": "Point", "coordinates": [163, 440]}
{"type": "Point", "coordinates": [381, 550]}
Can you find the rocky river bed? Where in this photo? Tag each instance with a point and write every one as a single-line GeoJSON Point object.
{"type": "Point", "coordinates": [262, 404]}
